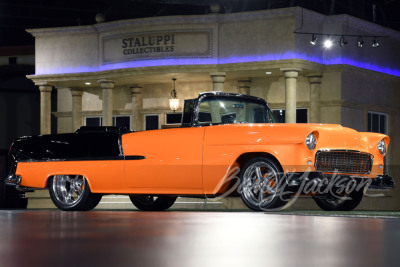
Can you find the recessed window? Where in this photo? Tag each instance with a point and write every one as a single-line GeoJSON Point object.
{"type": "Point", "coordinates": [377, 122]}
{"type": "Point", "coordinates": [151, 122]}
{"type": "Point", "coordinates": [173, 118]}
{"type": "Point", "coordinates": [93, 121]}
{"type": "Point", "coordinates": [301, 115]}
{"type": "Point", "coordinates": [120, 121]}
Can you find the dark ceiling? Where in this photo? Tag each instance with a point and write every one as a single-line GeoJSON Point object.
{"type": "Point", "coordinates": [18, 15]}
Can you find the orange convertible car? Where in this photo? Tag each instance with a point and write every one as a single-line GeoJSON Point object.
{"type": "Point", "coordinates": [228, 144]}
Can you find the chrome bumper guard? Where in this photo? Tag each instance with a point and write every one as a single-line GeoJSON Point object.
{"type": "Point", "coordinates": [12, 180]}
{"type": "Point", "coordinates": [382, 182]}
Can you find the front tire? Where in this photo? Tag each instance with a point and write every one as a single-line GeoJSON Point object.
{"type": "Point", "coordinates": [349, 202]}
{"type": "Point", "coordinates": [262, 185]}
{"type": "Point", "coordinates": [152, 203]}
{"type": "Point", "coordinates": [72, 193]}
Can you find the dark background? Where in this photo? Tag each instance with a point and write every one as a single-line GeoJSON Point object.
{"type": "Point", "coordinates": [18, 15]}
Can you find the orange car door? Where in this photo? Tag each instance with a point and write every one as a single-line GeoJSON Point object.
{"type": "Point", "coordinates": [169, 158]}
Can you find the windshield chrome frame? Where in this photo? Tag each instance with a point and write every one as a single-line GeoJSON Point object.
{"type": "Point", "coordinates": [202, 96]}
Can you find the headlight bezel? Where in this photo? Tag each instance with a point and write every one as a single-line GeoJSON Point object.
{"type": "Point", "coordinates": [382, 148]}
{"type": "Point", "coordinates": [311, 141]}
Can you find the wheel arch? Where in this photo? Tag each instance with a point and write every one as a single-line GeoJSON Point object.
{"type": "Point", "coordinates": [243, 158]}
{"type": "Point", "coordinates": [240, 162]}
{"type": "Point", "coordinates": [47, 181]}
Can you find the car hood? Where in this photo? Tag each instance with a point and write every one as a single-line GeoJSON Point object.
{"type": "Point", "coordinates": [329, 136]}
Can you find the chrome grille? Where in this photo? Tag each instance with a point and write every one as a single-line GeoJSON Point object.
{"type": "Point", "coordinates": [353, 162]}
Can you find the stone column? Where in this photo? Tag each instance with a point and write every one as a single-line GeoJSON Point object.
{"type": "Point", "coordinates": [244, 87]}
{"type": "Point", "coordinates": [218, 79]}
{"type": "Point", "coordinates": [137, 104]}
{"type": "Point", "coordinates": [107, 87]}
{"type": "Point", "coordinates": [45, 108]}
{"type": "Point", "coordinates": [77, 120]}
{"type": "Point", "coordinates": [290, 93]}
{"type": "Point", "coordinates": [315, 92]}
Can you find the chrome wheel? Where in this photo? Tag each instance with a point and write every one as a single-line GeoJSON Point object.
{"type": "Point", "coordinates": [69, 189]}
{"type": "Point", "coordinates": [262, 186]}
{"type": "Point", "coordinates": [259, 183]}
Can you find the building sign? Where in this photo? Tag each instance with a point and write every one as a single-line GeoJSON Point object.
{"type": "Point", "coordinates": [157, 45]}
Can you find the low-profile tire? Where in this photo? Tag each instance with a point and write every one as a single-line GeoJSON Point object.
{"type": "Point", "coordinates": [330, 202]}
{"type": "Point", "coordinates": [72, 193]}
{"type": "Point", "coordinates": [152, 203]}
{"type": "Point", "coordinates": [262, 186]}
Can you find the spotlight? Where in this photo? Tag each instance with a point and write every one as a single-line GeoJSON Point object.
{"type": "Point", "coordinates": [343, 41]}
{"type": "Point", "coordinates": [314, 39]}
{"type": "Point", "coordinates": [360, 42]}
{"type": "Point", "coordinates": [375, 43]}
{"type": "Point", "coordinates": [328, 43]}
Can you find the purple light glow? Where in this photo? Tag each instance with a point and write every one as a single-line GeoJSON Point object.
{"type": "Point", "coordinates": [212, 61]}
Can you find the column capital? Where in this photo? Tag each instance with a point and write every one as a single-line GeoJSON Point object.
{"type": "Point", "coordinates": [218, 79]}
{"type": "Point", "coordinates": [44, 83]}
{"type": "Point", "coordinates": [314, 78]}
{"type": "Point", "coordinates": [106, 84]}
{"type": "Point", "coordinates": [45, 87]}
{"type": "Point", "coordinates": [136, 89]}
{"type": "Point", "coordinates": [76, 91]}
{"type": "Point", "coordinates": [218, 73]}
{"type": "Point", "coordinates": [291, 72]}
{"type": "Point", "coordinates": [218, 76]}
{"type": "Point", "coordinates": [244, 86]}
{"type": "Point", "coordinates": [245, 83]}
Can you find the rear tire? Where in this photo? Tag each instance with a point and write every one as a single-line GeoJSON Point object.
{"type": "Point", "coordinates": [152, 203]}
{"type": "Point", "coordinates": [72, 193]}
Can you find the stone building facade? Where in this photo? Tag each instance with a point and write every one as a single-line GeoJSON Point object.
{"type": "Point", "coordinates": [121, 72]}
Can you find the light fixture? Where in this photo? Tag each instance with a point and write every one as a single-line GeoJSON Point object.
{"type": "Point", "coordinates": [268, 72]}
{"type": "Point", "coordinates": [173, 99]}
{"type": "Point", "coordinates": [375, 43]}
{"type": "Point", "coordinates": [343, 41]}
{"type": "Point", "coordinates": [88, 83]}
{"type": "Point", "coordinates": [360, 42]}
{"type": "Point", "coordinates": [314, 39]}
{"type": "Point", "coordinates": [328, 43]}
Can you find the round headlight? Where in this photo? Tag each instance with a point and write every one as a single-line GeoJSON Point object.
{"type": "Point", "coordinates": [311, 141]}
{"type": "Point", "coordinates": [382, 147]}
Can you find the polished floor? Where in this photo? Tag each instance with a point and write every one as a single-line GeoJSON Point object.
{"type": "Point", "coordinates": [179, 238]}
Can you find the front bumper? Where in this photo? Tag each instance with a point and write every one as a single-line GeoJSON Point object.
{"type": "Point", "coordinates": [317, 182]}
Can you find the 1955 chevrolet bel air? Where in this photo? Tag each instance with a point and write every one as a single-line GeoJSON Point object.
{"type": "Point", "coordinates": [228, 144]}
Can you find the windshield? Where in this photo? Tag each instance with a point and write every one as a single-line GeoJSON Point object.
{"type": "Point", "coordinates": [225, 110]}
